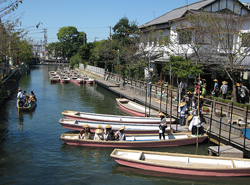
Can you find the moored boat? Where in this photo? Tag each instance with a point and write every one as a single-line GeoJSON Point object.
{"type": "Point", "coordinates": [135, 109]}
{"type": "Point", "coordinates": [76, 80]}
{"type": "Point", "coordinates": [88, 80]}
{"type": "Point", "coordinates": [55, 78]}
{"type": "Point", "coordinates": [131, 128]}
{"type": "Point", "coordinates": [112, 118]}
{"type": "Point", "coordinates": [136, 141]}
{"type": "Point", "coordinates": [183, 164]}
{"type": "Point", "coordinates": [65, 79]}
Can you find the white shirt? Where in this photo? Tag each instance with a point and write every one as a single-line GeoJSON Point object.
{"type": "Point", "coordinates": [20, 95]}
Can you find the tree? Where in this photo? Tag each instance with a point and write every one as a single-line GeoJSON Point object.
{"type": "Point", "coordinates": [182, 69]}
{"type": "Point", "coordinates": [70, 40]}
{"type": "Point", "coordinates": [123, 30]}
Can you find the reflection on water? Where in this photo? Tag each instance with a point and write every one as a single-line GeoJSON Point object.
{"type": "Point", "coordinates": [32, 153]}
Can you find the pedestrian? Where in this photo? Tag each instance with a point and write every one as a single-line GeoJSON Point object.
{"type": "Point", "coordinates": [183, 87]}
{"type": "Point", "coordinates": [194, 106]}
{"type": "Point", "coordinates": [162, 125]}
{"type": "Point", "coordinates": [216, 89]}
{"type": "Point", "coordinates": [224, 89]}
{"type": "Point", "coordinates": [204, 88]}
{"type": "Point", "coordinates": [243, 93]}
{"type": "Point", "coordinates": [182, 111]}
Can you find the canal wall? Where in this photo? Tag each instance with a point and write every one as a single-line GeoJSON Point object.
{"type": "Point", "coordinates": [10, 83]}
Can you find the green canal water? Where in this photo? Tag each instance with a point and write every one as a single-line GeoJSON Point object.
{"type": "Point", "coordinates": [32, 153]}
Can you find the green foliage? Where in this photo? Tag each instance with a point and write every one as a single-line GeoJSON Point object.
{"type": "Point", "coordinates": [123, 30]}
{"type": "Point", "coordinates": [70, 40]}
{"type": "Point", "coordinates": [182, 68]}
{"type": "Point", "coordinates": [75, 60]}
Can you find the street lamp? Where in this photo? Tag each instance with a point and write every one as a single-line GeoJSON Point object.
{"type": "Point", "coordinates": [149, 70]}
{"type": "Point", "coordinates": [117, 81]}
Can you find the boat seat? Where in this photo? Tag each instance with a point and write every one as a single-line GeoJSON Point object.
{"type": "Point", "coordinates": [182, 163]}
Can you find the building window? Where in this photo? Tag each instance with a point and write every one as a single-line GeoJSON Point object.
{"type": "Point", "coordinates": [246, 40]}
{"type": "Point", "coordinates": [185, 36]}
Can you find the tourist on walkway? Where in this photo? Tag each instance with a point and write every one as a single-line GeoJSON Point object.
{"type": "Point", "coordinates": [162, 125]}
{"type": "Point", "coordinates": [182, 111]}
{"type": "Point", "coordinates": [204, 87]}
{"type": "Point", "coordinates": [216, 89]}
{"type": "Point", "coordinates": [244, 92]}
{"type": "Point", "coordinates": [224, 89]}
{"type": "Point", "coordinates": [194, 106]}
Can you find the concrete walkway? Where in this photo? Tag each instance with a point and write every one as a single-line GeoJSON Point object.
{"type": "Point", "coordinates": [236, 140]}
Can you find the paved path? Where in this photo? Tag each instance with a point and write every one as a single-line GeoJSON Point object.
{"type": "Point", "coordinates": [235, 140]}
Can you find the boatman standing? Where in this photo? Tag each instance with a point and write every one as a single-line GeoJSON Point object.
{"type": "Point", "coordinates": [20, 97]}
{"type": "Point", "coordinates": [162, 126]}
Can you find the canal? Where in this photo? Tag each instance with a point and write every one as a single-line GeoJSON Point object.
{"type": "Point", "coordinates": [32, 153]}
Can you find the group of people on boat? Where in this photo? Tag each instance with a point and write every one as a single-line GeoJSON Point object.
{"type": "Point", "coordinates": [25, 100]}
{"type": "Point", "coordinates": [107, 134]}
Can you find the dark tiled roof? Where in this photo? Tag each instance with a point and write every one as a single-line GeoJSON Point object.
{"type": "Point", "coordinates": [176, 13]}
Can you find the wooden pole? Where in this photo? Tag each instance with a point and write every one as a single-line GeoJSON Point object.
{"type": "Point", "coordinates": [244, 146]}
{"type": "Point", "coordinates": [220, 131]}
{"type": "Point", "coordinates": [231, 119]}
{"type": "Point", "coordinates": [210, 125]}
{"type": "Point", "coordinates": [150, 88]}
{"type": "Point", "coordinates": [146, 102]}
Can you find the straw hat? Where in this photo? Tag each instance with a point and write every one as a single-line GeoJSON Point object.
{"type": "Point", "coordinates": [237, 84]}
{"type": "Point", "coordinates": [19, 89]}
{"type": "Point", "coordinates": [85, 126]}
{"type": "Point", "coordinates": [99, 127]}
{"type": "Point", "coordinates": [122, 128]}
{"type": "Point", "coordinates": [108, 126]}
{"type": "Point", "coordinates": [204, 79]}
{"type": "Point", "coordinates": [182, 104]}
{"type": "Point", "coordinates": [98, 131]}
{"type": "Point", "coordinates": [189, 92]}
{"type": "Point", "coordinates": [161, 114]}
{"type": "Point", "coordinates": [189, 117]}
{"type": "Point", "coordinates": [225, 82]}
{"type": "Point", "coordinates": [201, 97]}
{"type": "Point", "coordinates": [198, 78]}
{"type": "Point", "coordinates": [215, 80]}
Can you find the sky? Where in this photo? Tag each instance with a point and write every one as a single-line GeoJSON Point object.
{"type": "Point", "coordinates": [94, 17]}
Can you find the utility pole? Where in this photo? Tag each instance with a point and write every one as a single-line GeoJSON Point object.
{"type": "Point", "coordinates": [110, 36]}
{"type": "Point", "coordinates": [45, 41]}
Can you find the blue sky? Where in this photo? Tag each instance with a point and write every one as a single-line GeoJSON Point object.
{"type": "Point", "coordinates": [94, 17]}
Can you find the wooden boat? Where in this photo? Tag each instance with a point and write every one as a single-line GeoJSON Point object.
{"type": "Point", "coordinates": [134, 109]}
{"type": "Point", "coordinates": [76, 80]}
{"type": "Point", "coordinates": [52, 73]}
{"type": "Point", "coordinates": [136, 141]}
{"type": "Point", "coordinates": [23, 108]}
{"type": "Point", "coordinates": [112, 118]}
{"type": "Point", "coordinates": [65, 79]}
{"type": "Point", "coordinates": [88, 80]}
{"type": "Point", "coordinates": [55, 78]}
{"type": "Point", "coordinates": [131, 128]}
{"type": "Point", "coordinates": [183, 164]}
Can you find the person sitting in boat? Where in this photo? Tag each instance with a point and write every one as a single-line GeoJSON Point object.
{"type": "Point", "coordinates": [162, 125]}
{"type": "Point", "coordinates": [120, 134]}
{"type": "Point", "coordinates": [33, 96]}
{"type": "Point", "coordinates": [28, 102]}
{"type": "Point", "coordinates": [85, 133]}
{"type": "Point", "coordinates": [20, 97]}
{"type": "Point", "coordinates": [98, 134]}
{"type": "Point", "coordinates": [108, 133]}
